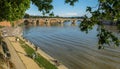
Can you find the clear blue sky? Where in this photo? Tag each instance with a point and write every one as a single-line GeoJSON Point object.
{"type": "Point", "coordinates": [62, 9]}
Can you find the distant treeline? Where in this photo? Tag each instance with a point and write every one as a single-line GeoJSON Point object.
{"type": "Point", "coordinates": [35, 16]}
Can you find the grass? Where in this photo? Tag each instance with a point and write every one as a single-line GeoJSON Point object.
{"type": "Point", "coordinates": [41, 61]}
{"type": "Point", "coordinates": [27, 48]}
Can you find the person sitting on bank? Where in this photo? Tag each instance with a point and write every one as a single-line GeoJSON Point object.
{"type": "Point", "coordinates": [36, 48]}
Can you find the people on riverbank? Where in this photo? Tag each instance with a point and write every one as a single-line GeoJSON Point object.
{"type": "Point", "coordinates": [33, 56]}
{"type": "Point", "coordinates": [36, 48]}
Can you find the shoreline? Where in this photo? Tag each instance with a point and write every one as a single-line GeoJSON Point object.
{"type": "Point", "coordinates": [45, 55]}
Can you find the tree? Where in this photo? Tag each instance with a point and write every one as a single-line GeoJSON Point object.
{"type": "Point", "coordinates": [106, 10]}
{"type": "Point", "coordinates": [11, 10]}
{"type": "Point", "coordinates": [51, 14]}
{"type": "Point", "coordinates": [26, 15]}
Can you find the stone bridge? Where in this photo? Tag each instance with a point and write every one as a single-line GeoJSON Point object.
{"type": "Point", "coordinates": [49, 21]}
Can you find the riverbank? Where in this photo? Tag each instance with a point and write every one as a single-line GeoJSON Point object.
{"type": "Point", "coordinates": [28, 62]}
{"type": "Point", "coordinates": [46, 56]}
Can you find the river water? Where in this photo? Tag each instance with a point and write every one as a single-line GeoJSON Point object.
{"type": "Point", "coordinates": [73, 48]}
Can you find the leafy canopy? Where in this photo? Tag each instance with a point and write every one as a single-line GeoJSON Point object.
{"type": "Point", "coordinates": [106, 10]}
{"type": "Point", "coordinates": [13, 9]}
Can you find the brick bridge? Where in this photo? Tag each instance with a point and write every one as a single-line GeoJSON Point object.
{"type": "Point", "coordinates": [49, 21]}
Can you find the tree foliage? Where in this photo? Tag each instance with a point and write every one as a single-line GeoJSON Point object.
{"type": "Point", "coordinates": [26, 15]}
{"type": "Point", "coordinates": [43, 5]}
{"type": "Point", "coordinates": [107, 10]}
{"type": "Point", "coordinates": [71, 2]}
{"type": "Point", "coordinates": [51, 14]}
{"type": "Point", "coordinates": [11, 10]}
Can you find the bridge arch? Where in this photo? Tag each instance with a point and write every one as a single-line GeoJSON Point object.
{"type": "Point", "coordinates": [37, 22]}
{"type": "Point", "coordinates": [54, 20]}
{"type": "Point", "coordinates": [26, 22]}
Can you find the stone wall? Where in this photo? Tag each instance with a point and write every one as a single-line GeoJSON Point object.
{"type": "Point", "coordinates": [5, 23]}
{"type": "Point", "coordinates": [8, 24]}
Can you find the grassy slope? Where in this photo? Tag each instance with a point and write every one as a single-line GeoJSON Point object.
{"type": "Point", "coordinates": [42, 62]}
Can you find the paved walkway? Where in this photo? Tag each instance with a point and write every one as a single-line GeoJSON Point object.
{"type": "Point", "coordinates": [28, 62]}
{"type": "Point", "coordinates": [14, 56]}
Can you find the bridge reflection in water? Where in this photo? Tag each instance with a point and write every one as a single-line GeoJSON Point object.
{"type": "Point", "coordinates": [75, 49]}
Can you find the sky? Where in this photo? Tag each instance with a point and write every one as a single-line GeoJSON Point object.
{"type": "Point", "coordinates": [65, 10]}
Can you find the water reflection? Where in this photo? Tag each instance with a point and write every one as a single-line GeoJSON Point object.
{"type": "Point", "coordinates": [75, 49]}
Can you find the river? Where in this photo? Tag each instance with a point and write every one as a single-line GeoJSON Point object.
{"type": "Point", "coordinates": [73, 48]}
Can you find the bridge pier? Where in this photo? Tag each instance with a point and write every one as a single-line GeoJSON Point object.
{"type": "Point", "coordinates": [62, 22]}
{"type": "Point", "coordinates": [74, 21]}
{"type": "Point", "coordinates": [47, 22]}
{"type": "Point", "coordinates": [33, 22]}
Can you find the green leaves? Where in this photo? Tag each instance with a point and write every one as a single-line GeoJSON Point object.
{"type": "Point", "coordinates": [108, 10]}
{"type": "Point", "coordinates": [51, 14]}
{"type": "Point", "coordinates": [107, 38]}
{"type": "Point", "coordinates": [11, 10]}
{"type": "Point", "coordinates": [71, 2]}
{"type": "Point", "coordinates": [86, 25]}
{"type": "Point", "coordinates": [43, 5]}
{"type": "Point", "coordinates": [88, 9]}
{"type": "Point", "coordinates": [26, 15]}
